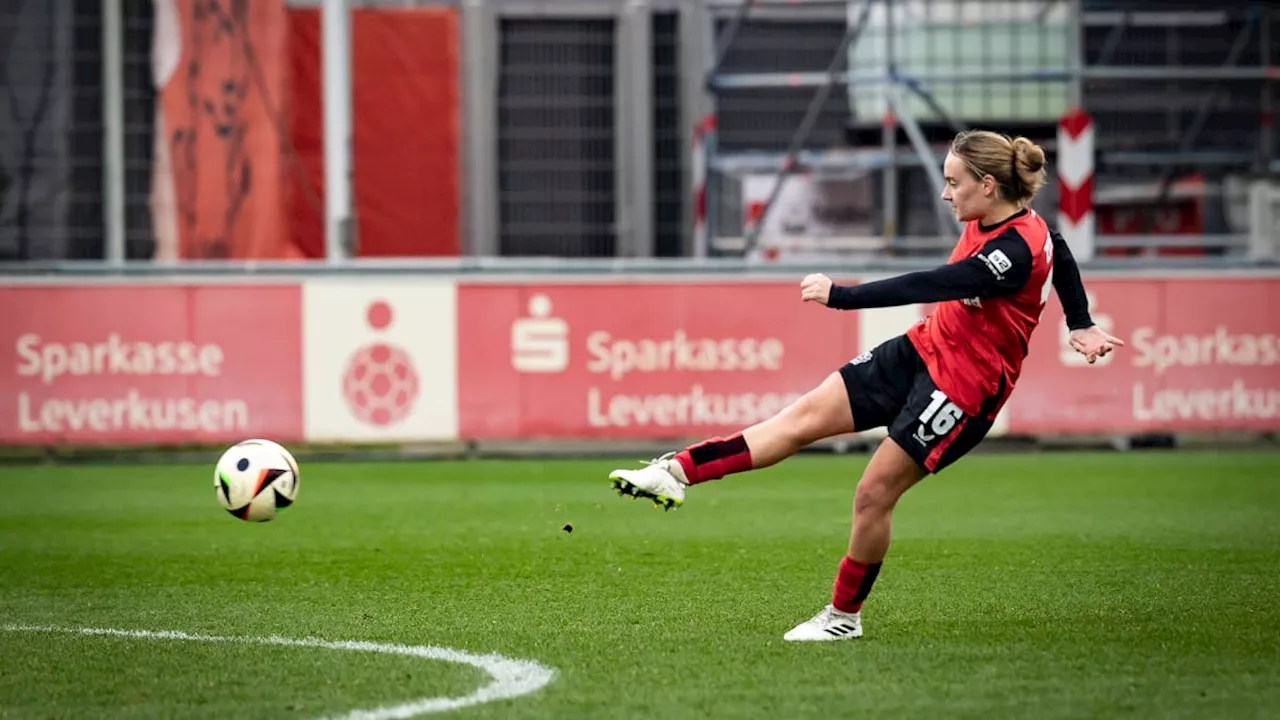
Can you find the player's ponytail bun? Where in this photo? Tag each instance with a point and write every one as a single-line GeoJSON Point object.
{"type": "Point", "coordinates": [1028, 169]}
{"type": "Point", "coordinates": [1018, 165]}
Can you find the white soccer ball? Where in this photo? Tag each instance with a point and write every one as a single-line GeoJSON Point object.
{"type": "Point", "coordinates": [255, 479]}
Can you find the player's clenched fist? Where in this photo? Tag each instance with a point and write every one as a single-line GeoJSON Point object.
{"type": "Point", "coordinates": [815, 288]}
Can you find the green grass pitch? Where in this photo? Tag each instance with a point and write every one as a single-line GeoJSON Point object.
{"type": "Point", "coordinates": [1053, 585]}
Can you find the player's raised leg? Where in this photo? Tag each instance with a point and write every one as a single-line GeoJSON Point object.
{"type": "Point", "coordinates": [821, 413]}
{"type": "Point", "coordinates": [888, 476]}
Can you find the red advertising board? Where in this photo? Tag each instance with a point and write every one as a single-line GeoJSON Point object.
{"type": "Point", "coordinates": [1201, 354]}
{"type": "Point", "coordinates": [677, 360]}
{"type": "Point", "coordinates": [638, 360]}
{"type": "Point", "coordinates": [149, 364]}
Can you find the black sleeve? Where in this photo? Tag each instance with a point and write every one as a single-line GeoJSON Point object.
{"type": "Point", "coordinates": [1067, 283]}
{"type": "Point", "coordinates": [1000, 268]}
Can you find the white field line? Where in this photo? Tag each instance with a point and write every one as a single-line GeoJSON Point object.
{"type": "Point", "coordinates": [510, 678]}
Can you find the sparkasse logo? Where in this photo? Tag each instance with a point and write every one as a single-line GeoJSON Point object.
{"type": "Point", "coordinates": [540, 343]}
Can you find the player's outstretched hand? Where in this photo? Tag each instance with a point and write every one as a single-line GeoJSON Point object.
{"type": "Point", "coordinates": [1093, 343]}
{"type": "Point", "coordinates": [815, 288]}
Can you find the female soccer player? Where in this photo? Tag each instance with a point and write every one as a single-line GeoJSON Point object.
{"type": "Point", "coordinates": [938, 387]}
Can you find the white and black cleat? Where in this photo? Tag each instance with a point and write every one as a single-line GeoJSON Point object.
{"type": "Point", "coordinates": [829, 624]}
{"type": "Point", "coordinates": [661, 481]}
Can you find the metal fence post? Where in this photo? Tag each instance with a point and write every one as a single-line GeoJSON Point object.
{"type": "Point", "coordinates": [479, 168]}
{"type": "Point", "coordinates": [634, 121]}
{"type": "Point", "coordinates": [113, 176]}
{"type": "Point", "coordinates": [335, 51]}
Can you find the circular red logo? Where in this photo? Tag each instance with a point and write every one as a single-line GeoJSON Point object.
{"type": "Point", "coordinates": [380, 384]}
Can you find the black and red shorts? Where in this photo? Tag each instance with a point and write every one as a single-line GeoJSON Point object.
{"type": "Point", "coordinates": [890, 386]}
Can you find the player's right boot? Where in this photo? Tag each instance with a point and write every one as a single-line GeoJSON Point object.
{"type": "Point", "coordinates": [662, 481]}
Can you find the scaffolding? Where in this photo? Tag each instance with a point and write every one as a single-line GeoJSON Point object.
{"type": "Point", "coordinates": [900, 87]}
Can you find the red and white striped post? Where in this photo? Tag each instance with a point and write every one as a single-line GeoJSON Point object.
{"type": "Point", "coordinates": [1076, 219]}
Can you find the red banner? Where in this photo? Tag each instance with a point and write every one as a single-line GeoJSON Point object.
{"type": "Point", "coordinates": [219, 176]}
{"type": "Point", "coordinates": [150, 364]}
{"type": "Point", "coordinates": [638, 360]}
{"type": "Point", "coordinates": [1201, 354]}
{"type": "Point", "coordinates": [404, 144]}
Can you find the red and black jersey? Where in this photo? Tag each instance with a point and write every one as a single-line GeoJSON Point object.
{"type": "Point", "coordinates": [990, 295]}
{"type": "Point", "coordinates": [974, 347]}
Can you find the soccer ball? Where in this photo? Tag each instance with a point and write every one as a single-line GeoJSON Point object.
{"type": "Point", "coordinates": [255, 479]}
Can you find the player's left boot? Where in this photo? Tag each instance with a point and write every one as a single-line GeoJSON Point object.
{"type": "Point", "coordinates": [830, 624]}
{"type": "Point", "coordinates": [662, 481]}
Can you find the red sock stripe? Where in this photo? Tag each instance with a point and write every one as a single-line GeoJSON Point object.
{"type": "Point", "coordinates": [713, 459]}
{"type": "Point", "coordinates": [853, 583]}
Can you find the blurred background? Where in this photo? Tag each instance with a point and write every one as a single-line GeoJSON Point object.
{"type": "Point", "coordinates": [583, 220]}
